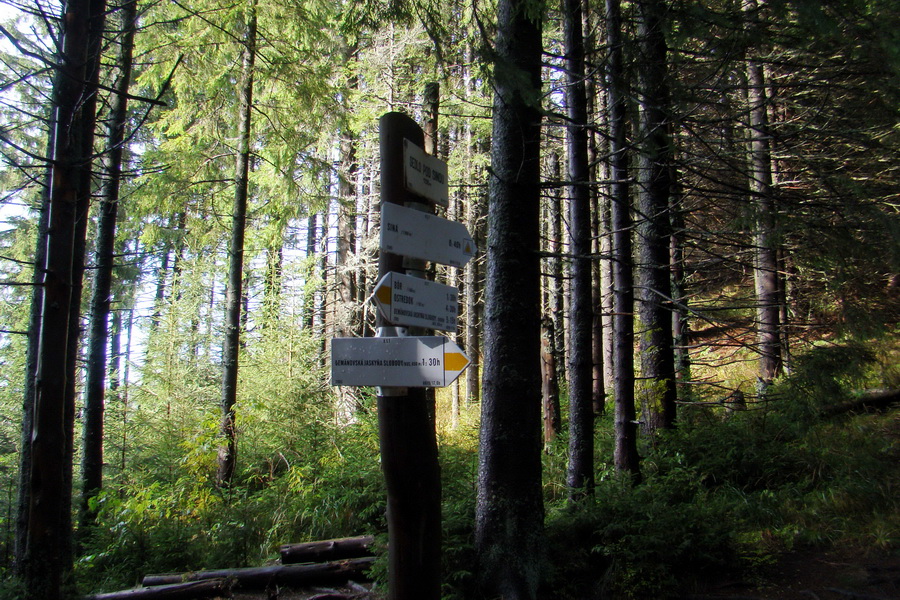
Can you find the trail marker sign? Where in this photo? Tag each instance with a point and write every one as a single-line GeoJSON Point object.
{"type": "Point", "coordinates": [425, 175]}
{"type": "Point", "coordinates": [416, 302]}
{"type": "Point", "coordinates": [427, 361]}
{"type": "Point", "coordinates": [417, 234]}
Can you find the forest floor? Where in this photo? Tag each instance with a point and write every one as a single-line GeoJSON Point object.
{"type": "Point", "coordinates": [807, 575]}
{"type": "Point", "coordinates": [814, 575]}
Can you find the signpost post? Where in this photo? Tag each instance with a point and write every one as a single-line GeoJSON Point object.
{"type": "Point", "coordinates": [403, 362]}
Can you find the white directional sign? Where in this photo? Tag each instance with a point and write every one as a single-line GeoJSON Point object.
{"type": "Point", "coordinates": [421, 235]}
{"type": "Point", "coordinates": [425, 175]}
{"type": "Point", "coordinates": [431, 361]}
{"type": "Point", "coordinates": [405, 300]}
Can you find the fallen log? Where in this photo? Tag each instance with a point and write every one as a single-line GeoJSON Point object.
{"type": "Point", "coordinates": [260, 578]}
{"type": "Point", "coordinates": [175, 591]}
{"type": "Point", "coordinates": [337, 549]}
{"type": "Point", "coordinates": [867, 400]}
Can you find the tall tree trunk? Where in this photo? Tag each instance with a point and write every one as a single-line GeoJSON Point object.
{"type": "Point", "coordinates": [680, 322]}
{"type": "Point", "coordinates": [309, 291]}
{"type": "Point", "coordinates": [472, 287]}
{"type": "Point", "coordinates": [580, 473]}
{"type": "Point", "coordinates": [79, 251]}
{"type": "Point", "coordinates": [348, 308]}
{"type": "Point", "coordinates": [598, 391]}
{"type": "Point", "coordinates": [95, 381]}
{"type": "Point", "coordinates": [658, 393]}
{"type": "Point", "coordinates": [509, 506]}
{"type": "Point", "coordinates": [556, 302]}
{"type": "Point", "coordinates": [273, 282]}
{"type": "Point", "coordinates": [23, 500]}
{"type": "Point", "coordinates": [473, 218]}
{"type": "Point", "coordinates": [765, 268]}
{"type": "Point", "coordinates": [626, 456]}
{"type": "Point", "coordinates": [550, 383]}
{"type": "Point", "coordinates": [48, 541]}
{"type": "Point", "coordinates": [552, 346]}
{"type": "Point", "coordinates": [227, 455]}
{"type": "Point", "coordinates": [603, 239]}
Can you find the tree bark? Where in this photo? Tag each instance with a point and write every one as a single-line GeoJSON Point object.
{"type": "Point", "coordinates": [680, 321]}
{"type": "Point", "coordinates": [765, 267]}
{"type": "Point", "coordinates": [173, 591]}
{"type": "Point", "coordinates": [509, 506]}
{"type": "Point", "coordinates": [48, 541]}
{"type": "Point", "coordinates": [23, 500]}
{"type": "Point", "coordinates": [598, 392]}
{"type": "Point", "coordinates": [227, 454]}
{"type": "Point", "coordinates": [658, 393]}
{"type": "Point", "coordinates": [550, 383]}
{"type": "Point", "coordinates": [580, 472]}
{"type": "Point", "coordinates": [556, 302]}
{"type": "Point", "coordinates": [625, 457]}
{"type": "Point", "coordinates": [97, 372]}
{"type": "Point", "coordinates": [309, 293]}
{"type": "Point", "coordinates": [260, 578]}
{"type": "Point", "coordinates": [552, 321]}
{"type": "Point", "coordinates": [472, 281]}
{"type": "Point", "coordinates": [346, 323]}
{"type": "Point", "coordinates": [324, 550]}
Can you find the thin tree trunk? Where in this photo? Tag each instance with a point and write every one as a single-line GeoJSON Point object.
{"type": "Point", "coordinates": [580, 473]}
{"type": "Point", "coordinates": [227, 455]}
{"type": "Point", "coordinates": [472, 281]}
{"type": "Point", "coordinates": [509, 513]}
{"type": "Point", "coordinates": [272, 285]}
{"type": "Point", "coordinates": [556, 289]}
{"type": "Point", "coordinates": [765, 268]}
{"type": "Point", "coordinates": [551, 343]}
{"type": "Point", "coordinates": [346, 280]}
{"type": "Point", "coordinates": [550, 383]}
{"type": "Point", "coordinates": [626, 457]}
{"type": "Point", "coordinates": [680, 322]}
{"type": "Point", "coordinates": [95, 381]}
{"type": "Point", "coordinates": [23, 505]}
{"type": "Point", "coordinates": [309, 294]}
{"type": "Point", "coordinates": [598, 391]}
{"type": "Point", "coordinates": [472, 286]}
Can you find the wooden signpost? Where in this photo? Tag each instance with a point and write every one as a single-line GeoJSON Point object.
{"type": "Point", "coordinates": [403, 361]}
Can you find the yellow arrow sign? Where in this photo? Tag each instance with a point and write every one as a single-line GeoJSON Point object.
{"type": "Point", "coordinates": [455, 361]}
{"type": "Point", "coordinates": [383, 294]}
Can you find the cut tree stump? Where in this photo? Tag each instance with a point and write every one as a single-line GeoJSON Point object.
{"type": "Point", "coordinates": [260, 578]}
{"type": "Point", "coordinates": [174, 591]}
{"type": "Point", "coordinates": [323, 550]}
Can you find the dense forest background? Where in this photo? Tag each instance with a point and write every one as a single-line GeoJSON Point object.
{"type": "Point", "coordinates": [715, 223]}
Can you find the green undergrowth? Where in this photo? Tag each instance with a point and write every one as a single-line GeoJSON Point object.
{"type": "Point", "coordinates": [186, 523]}
{"type": "Point", "coordinates": [724, 492]}
{"type": "Point", "coordinates": [729, 493]}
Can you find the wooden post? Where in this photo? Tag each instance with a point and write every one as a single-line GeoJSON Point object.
{"type": "Point", "coordinates": [409, 455]}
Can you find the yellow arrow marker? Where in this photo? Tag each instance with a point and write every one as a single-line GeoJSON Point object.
{"type": "Point", "coordinates": [468, 249]}
{"type": "Point", "coordinates": [384, 294]}
{"type": "Point", "coordinates": [455, 361]}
